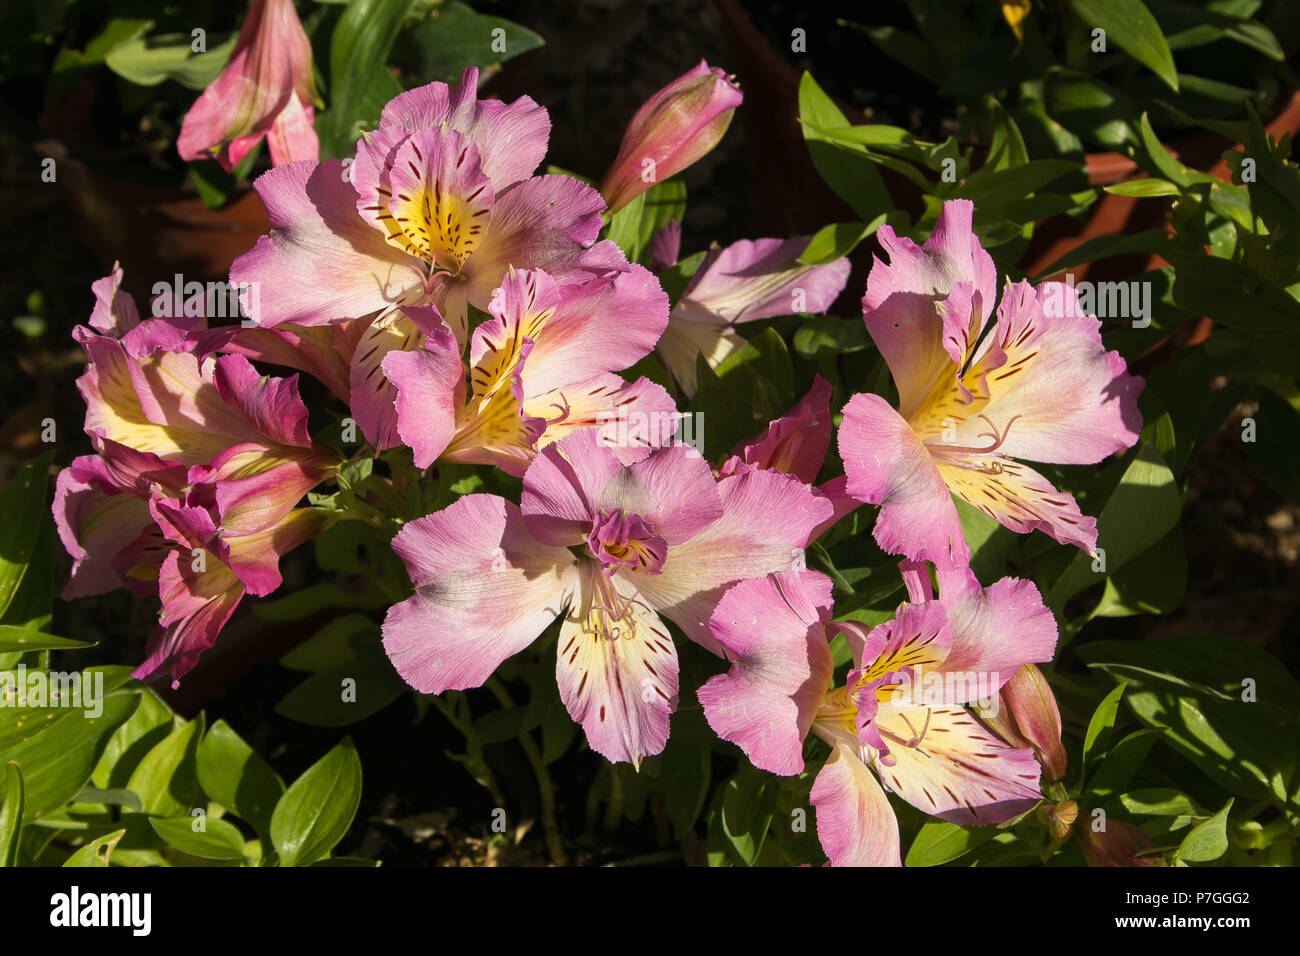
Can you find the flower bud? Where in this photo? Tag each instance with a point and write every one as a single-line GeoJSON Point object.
{"type": "Point", "coordinates": [671, 130]}
{"type": "Point", "coordinates": [1029, 704]}
{"type": "Point", "coordinates": [1117, 844]}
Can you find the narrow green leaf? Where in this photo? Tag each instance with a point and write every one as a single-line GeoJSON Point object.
{"type": "Point", "coordinates": [1133, 28]}
{"type": "Point", "coordinates": [11, 814]}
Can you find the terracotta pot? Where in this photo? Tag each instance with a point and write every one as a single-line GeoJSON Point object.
{"type": "Point", "coordinates": [1112, 215]}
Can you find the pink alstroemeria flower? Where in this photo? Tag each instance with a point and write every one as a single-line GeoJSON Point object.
{"type": "Point", "coordinates": [542, 367]}
{"type": "Point", "coordinates": [900, 717]}
{"type": "Point", "coordinates": [265, 90]}
{"type": "Point", "coordinates": [670, 131]}
{"type": "Point", "coordinates": [750, 279]}
{"type": "Point", "coordinates": [203, 574]}
{"type": "Point", "coordinates": [439, 201]}
{"type": "Point", "coordinates": [616, 546]}
{"type": "Point", "coordinates": [1038, 386]}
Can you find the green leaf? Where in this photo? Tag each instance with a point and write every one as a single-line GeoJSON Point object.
{"type": "Point", "coordinates": [995, 190]}
{"type": "Point", "coordinates": [1208, 840]}
{"type": "Point", "coordinates": [149, 725]}
{"type": "Point", "coordinates": [317, 809]}
{"type": "Point", "coordinates": [11, 814]}
{"type": "Point", "coordinates": [832, 242]}
{"type": "Point", "coordinates": [748, 801]}
{"type": "Point", "coordinates": [330, 646]}
{"type": "Point", "coordinates": [1226, 705]}
{"type": "Point", "coordinates": [24, 639]}
{"type": "Point", "coordinates": [58, 747]}
{"type": "Point", "coordinates": [237, 778]}
{"type": "Point", "coordinates": [1133, 28]}
{"type": "Point", "coordinates": [359, 49]}
{"type": "Point", "coordinates": [1097, 739]}
{"type": "Point", "coordinates": [218, 840]}
{"type": "Point", "coordinates": [456, 37]}
{"type": "Point", "coordinates": [348, 691]}
{"type": "Point", "coordinates": [683, 780]}
{"type": "Point", "coordinates": [1159, 802]}
{"type": "Point", "coordinates": [633, 226]}
{"type": "Point", "coordinates": [25, 506]}
{"type": "Point", "coordinates": [938, 843]}
{"type": "Point", "coordinates": [1273, 452]}
{"type": "Point", "coordinates": [829, 335]}
{"type": "Point", "coordinates": [849, 172]}
{"type": "Point", "coordinates": [1122, 762]}
{"type": "Point", "coordinates": [97, 852]}
{"type": "Point", "coordinates": [1139, 513]}
{"type": "Point", "coordinates": [149, 60]}
{"type": "Point", "coordinates": [166, 779]}
{"type": "Point", "coordinates": [1090, 107]}
{"type": "Point", "coordinates": [1144, 188]}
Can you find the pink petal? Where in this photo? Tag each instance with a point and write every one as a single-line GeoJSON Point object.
{"type": "Point", "coordinates": [772, 630]}
{"type": "Point", "coordinates": [1061, 397]}
{"type": "Point", "coordinates": [887, 465]}
{"type": "Point", "coordinates": [427, 383]}
{"type": "Point", "coordinates": [602, 324]}
{"type": "Point", "coordinates": [950, 256]}
{"type": "Point", "coordinates": [619, 680]}
{"type": "Point", "coordinates": [997, 629]}
{"type": "Point", "coordinates": [484, 590]}
{"type": "Point", "coordinates": [511, 137]}
{"type": "Point", "coordinates": [541, 223]}
{"type": "Point", "coordinates": [958, 770]}
{"type": "Point", "coordinates": [760, 279]}
{"type": "Point", "coordinates": [321, 262]}
{"type": "Point", "coordinates": [292, 136]}
{"type": "Point", "coordinates": [1021, 499]}
{"type": "Point", "coordinates": [115, 312]}
{"type": "Point", "coordinates": [765, 523]}
{"type": "Point", "coordinates": [855, 823]}
{"type": "Point", "coordinates": [796, 442]}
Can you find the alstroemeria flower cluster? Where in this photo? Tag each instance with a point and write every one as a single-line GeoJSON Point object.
{"type": "Point", "coordinates": [191, 496]}
{"type": "Point", "coordinates": [464, 312]}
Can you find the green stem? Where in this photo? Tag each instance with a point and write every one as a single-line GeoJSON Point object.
{"type": "Point", "coordinates": [545, 789]}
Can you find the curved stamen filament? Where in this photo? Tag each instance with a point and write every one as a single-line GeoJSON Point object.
{"type": "Point", "coordinates": [997, 437]}
{"type": "Point", "coordinates": [916, 737]}
{"type": "Point", "coordinates": [607, 602]}
{"type": "Point", "coordinates": [563, 407]}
